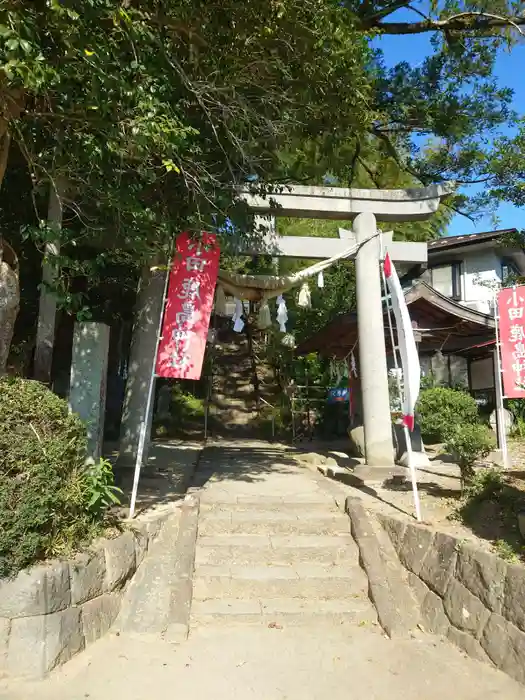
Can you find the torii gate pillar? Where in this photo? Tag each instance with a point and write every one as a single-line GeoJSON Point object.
{"type": "Point", "coordinates": [365, 207]}
{"type": "Point", "coordinates": [377, 421]}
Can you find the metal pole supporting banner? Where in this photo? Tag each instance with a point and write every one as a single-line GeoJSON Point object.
{"type": "Point", "coordinates": [500, 409]}
{"type": "Point", "coordinates": [149, 401]}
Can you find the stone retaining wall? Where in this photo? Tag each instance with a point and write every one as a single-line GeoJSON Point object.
{"type": "Point", "coordinates": [473, 597]}
{"type": "Point", "coordinates": [50, 612]}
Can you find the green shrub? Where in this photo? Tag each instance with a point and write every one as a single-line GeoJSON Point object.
{"type": "Point", "coordinates": [100, 483]}
{"type": "Point", "coordinates": [440, 410]}
{"type": "Point", "coordinates": [517, 408]}
{"type": "Point", "coordinates": [505, 551]}
{"type": "Point", "coordinates": [468, 443]}
{"type": "Point", "coordinates": [485, 485]}
{"type": "Point", "coordinates": [185, 406]}
{"type": "Point", "coordinates": [46, 496]}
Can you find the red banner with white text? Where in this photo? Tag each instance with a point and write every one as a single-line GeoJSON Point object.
{"type": "Point", "coordinates": [511, 312]}
{"type": "Point", "coordinates": [189, 304]}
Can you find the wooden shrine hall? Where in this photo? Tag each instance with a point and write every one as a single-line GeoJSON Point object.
{"type": "Point", "coordinates": [455, 342]}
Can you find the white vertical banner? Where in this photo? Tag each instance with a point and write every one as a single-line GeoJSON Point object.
{"type": "Point", "coordinates": [406, 342]}
{"type": "Point", "coordinates": [406, 345]}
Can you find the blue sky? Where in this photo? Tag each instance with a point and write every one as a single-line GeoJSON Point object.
{"type": "Point", "coordinates": [509, 70]}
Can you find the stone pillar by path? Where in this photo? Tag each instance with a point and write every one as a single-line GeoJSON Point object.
{"type": "Point", "coordinates": [379, 450]}
{"type": "Point", "coordinates": [45, 336]}
{"type": "Point", "coordinates": [89, 368]}
{"type": "Point", "coordinates": [143, 345]}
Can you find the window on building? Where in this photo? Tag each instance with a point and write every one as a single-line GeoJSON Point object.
{"type": "Point", "coordinates": [445, 279]}
{"type": "Point", "coordinates": [509, 271]}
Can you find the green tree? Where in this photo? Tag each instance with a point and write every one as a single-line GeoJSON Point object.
{"type": "Point", "coordinates": [152, 116]}
{"type": "Point", "coordinates": [442, 119]}
{"type": "Point", "coordinates": [152, 113]}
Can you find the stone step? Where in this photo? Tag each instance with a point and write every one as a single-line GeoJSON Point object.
{"type": "Point", "coordinates": [321, 588]}
{"type": "Point", "coordinates": [230, 370]}
{"type": "Point", "coordinates": [236, 397]}
{"type": "Point", "coordinates": [238, 555]}
{"type": "Point", "coordinates": [240, 389]}
{"type": "Point", "coordinates": [233, 407]}
{"type": "Point", "coordinates": [232, 419]}
{"type": "Point", "coordinates": [264, 571]}
{"type": "Point", "coordinates": [275, 523]}
{"type": "Point", "coordinates": [234, 431]}
{"type": "Point", "coordinates": [234, 352]}
{"type": "Point", "coordinates": [282, 612]}
{"type": "Point", "coordinates": [261, 506]}
{"type": "Point", "coordinates": [234, 410]}
{"type": "Point", "coordinates": [298, 542]}
{"type": "Point", "coordinates": [227, 500]}
{"type": "Point", "coordinates": [228, 383]}
{"type": "Point", "coordinates": [281, 514]}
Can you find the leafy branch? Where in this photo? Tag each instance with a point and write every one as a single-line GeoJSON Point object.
{"type": "Point", "coordinates": [478, 22]}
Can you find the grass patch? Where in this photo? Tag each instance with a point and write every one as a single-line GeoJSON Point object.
{"type": "Point", "coordinates": [490, 507]}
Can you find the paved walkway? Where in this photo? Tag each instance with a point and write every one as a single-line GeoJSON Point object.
{"type": "Point", "coordinates": [166, 476]}
{"type": "Point", "coordinates": [279, 611]}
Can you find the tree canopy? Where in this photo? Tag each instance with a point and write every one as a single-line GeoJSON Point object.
{"type": "Point", "coordinates": [152, 111]}
{"type": "Point", "coordinates": [148, 114]}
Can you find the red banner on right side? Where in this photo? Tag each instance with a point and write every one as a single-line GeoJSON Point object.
{"type": "Point", "coordinates": [511, 312]}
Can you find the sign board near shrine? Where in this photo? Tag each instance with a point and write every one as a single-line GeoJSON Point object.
{"type": "Point", "coordinates": [511, 312]}
{"type": "Point", "coordinates": [338, 395]}
{"type": "Point", "coordinates": [189, 304]}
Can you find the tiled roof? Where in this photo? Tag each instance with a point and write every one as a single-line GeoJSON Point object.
{"type": "Point", "coordinates": [457, 241]}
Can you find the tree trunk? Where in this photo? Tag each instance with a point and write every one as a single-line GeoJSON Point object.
{"type": "Point", "coordinates": [9, 300]}
{"type": "Point", "coordinates": [11, 105]}
{"type": "Point", "coordinates": [45, 337]}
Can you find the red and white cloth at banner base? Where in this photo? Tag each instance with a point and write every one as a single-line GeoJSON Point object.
{"type": "Point", "coordinates": [406, 343]}
{"type": "Point", "coordinates": [193, 277]}
{"type": "Point", "coordinates": [511, 312]}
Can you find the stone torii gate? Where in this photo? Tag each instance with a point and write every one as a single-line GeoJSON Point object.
{"type": "Point", "coordinates": [365, 207]}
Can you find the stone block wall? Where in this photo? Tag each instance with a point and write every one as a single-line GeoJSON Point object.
{"type": "Point", "coordinates": [469, 595]}
{"type": "Point", "coordinates": [50, 612]}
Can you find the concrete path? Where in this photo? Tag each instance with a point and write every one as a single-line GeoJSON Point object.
{"type": "Point", "coordinates": [279, 609]}
{"type": "Point", "coordinates": [166, 477]}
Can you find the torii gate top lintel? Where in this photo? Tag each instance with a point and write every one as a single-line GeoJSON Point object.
{"type": "Point", "coordinates": [340, 203]}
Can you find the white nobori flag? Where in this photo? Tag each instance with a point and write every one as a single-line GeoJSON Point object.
{"type": "Point", "coordinates": [407, 344]}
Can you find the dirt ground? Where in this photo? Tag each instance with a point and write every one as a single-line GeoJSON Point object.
{"type": "Point", "coordinates": [492, 522]}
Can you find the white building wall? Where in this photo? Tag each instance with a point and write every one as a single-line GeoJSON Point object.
{"type": "Point", "coordinates": [481, 271]}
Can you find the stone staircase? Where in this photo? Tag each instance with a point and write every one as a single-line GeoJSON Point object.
{"type": "Point", "coordinates": [274, 560]}
{"type": "Point", "coordinates": [233, 405]}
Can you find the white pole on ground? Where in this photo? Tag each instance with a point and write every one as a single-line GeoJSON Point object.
{"type": "Point", "coordinates": [413, 475]}
{"type": "Point", "coordinates": [149, 401]}
{"type": "Point", "coordinates": [500, 410]}
{"type": "Point", "coordinates": [406, 431]}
